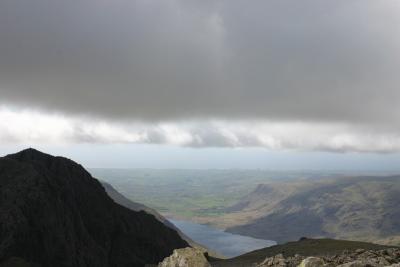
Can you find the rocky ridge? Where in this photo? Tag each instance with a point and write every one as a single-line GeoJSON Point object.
{"type": "Point", "coordinates": [357, 258]}
{"type": "Point", "coordinates": [190, 257]}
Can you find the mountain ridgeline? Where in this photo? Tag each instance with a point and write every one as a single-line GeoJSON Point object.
{"type": "Point", "coordinates": [54, 213]}
{"type": "Point", "coordinates": [354, 208]}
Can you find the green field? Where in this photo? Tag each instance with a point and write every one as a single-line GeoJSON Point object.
{"type": "Point", "coordinates": [188, 193]}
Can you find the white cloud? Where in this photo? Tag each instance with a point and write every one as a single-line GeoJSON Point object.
{"type": "Point", "coordinates": [33, 127]}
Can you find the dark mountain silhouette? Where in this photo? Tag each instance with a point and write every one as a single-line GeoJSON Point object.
{"type": "Point", "coordinates": [54, 213]}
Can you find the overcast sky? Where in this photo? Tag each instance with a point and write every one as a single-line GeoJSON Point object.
{"type": "Point", "coordinates": [306, 76]}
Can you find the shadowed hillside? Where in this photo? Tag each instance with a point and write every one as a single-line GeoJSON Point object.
{"type": "Point", "coordinates": [358, 208]}
{"type": "Point", "coordinates": [53, 213]}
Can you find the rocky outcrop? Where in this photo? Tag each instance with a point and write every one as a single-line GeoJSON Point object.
{"type": "Point", "coordinates": [312, 262]}
{"type": "Point", "coordinates": [358, 258]}
{"type": "Point", "coordinates": [185, 257]}
{"type": "Point", "coordinates": [277, 260]}
{"type": "Point", "coordinates": [54, 213]}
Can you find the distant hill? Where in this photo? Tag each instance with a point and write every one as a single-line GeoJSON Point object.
{"type": "Point", "coordinates": [53, 213]}
{"type": "Point", "coordinates": [356, 208]}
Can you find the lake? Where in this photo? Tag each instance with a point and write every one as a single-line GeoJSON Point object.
{"type": "Point", "coordinates": [227, 244]}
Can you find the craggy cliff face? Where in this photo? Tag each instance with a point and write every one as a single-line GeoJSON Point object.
{"type": "Point", "coordinates": [54, 213]}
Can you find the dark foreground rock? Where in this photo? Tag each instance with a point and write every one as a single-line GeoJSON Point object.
{"type": "Point", "coordinates": [54, 213]}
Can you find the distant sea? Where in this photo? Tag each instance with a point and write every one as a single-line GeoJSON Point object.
{"type": "Point", "coordinates": [227, 244]}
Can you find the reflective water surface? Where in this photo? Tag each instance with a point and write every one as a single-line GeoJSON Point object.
{"type": "Point", "coordinates": [227, 244]}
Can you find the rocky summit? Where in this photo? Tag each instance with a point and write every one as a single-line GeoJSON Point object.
{"type": "Point", "coordinates": [358, 258]}
{"type": "Point", "coordinates": [327, 255]}
{"type": "Point", "coordinates": [54, 213]}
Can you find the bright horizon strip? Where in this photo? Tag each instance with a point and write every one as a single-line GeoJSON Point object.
{"type": "Point", "coordinates": [18, 126]}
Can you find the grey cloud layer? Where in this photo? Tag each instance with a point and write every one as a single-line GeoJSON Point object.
{"type": "Point", "coordinates": [157, 60]}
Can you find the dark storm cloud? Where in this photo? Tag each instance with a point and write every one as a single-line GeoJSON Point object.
{"type": "Point", "coordinates": [157, 60]}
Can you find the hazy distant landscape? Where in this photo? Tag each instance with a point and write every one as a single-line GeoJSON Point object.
{"type": "Point", "coordinates": [192, 194]}
{"type": "Point", "coordinates": [271, 205]}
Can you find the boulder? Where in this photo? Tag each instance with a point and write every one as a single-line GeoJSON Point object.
{"type": "Point", "coordinates": [185, 257]}
{"type": "Point", "coordinates": [277, 260]}
{"type": "Point", "coordinates": [312, 262]}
